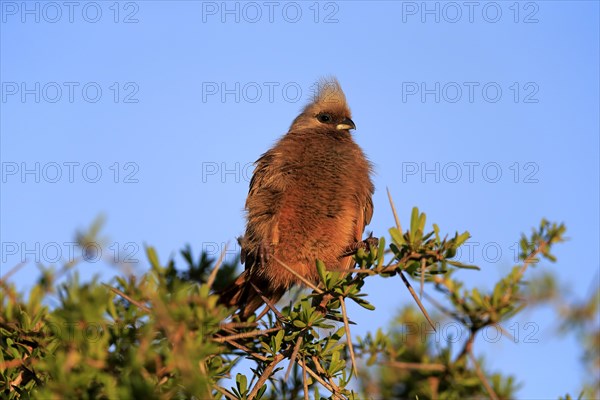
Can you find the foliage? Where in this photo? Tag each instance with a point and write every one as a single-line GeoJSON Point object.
{"type": "Point", "coordinates": [163, 335]}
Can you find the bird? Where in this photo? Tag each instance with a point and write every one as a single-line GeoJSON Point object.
{"type": "Point", "coordinates": [310, 198]}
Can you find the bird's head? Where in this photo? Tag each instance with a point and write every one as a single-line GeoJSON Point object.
{"type": "Point", "coordinates": [328, 110]}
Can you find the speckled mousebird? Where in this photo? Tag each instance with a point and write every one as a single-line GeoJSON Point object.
{"type": "Point", "coordinates": [309, 198]}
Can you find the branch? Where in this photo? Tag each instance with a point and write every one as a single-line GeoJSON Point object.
{"type": "Point", "coordinates": [333, 389]}
{"type": "Point", "coordinates": [394, 211]}
{"type": "Point", "coordinates": [348, 337]}
{"type": "Point", "coordinates": [244, 335]}
{"type": "Point", "coordinates": [417, 366]}
{"type": "Point", "coordinates": [213, 273]}
{"type": "Point", "coordinates": [482, 377]}
{"type": "Point", "coordinates": [265, 375]}
{"type": "Point", "coordinates": [129, 299]}
{"type": "Point", "coordinates": [414, 295]}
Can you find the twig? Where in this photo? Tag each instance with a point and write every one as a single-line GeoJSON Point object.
{"type": "Point", "coordinates": [265, 375]}
{"type": "Point", "coordinates": [235, 325]}
{"type": "Point", "coordinates": [12, 271]}
{"type": "Point", "coordinates": [482, 377]}
{"type": "Point", "coordinates": [394, 211]}
{"type": "Point", "coordinates": [293, 357]}
{"type": "Point", "coordinates": [434, 384]}
{"type": "Point", "coordinates": [225, 392]}
{"type": "Point", "coordinates": [213, 273]}
{"type": "Point", "coordinates": [468, 347]}
{"type": "Point", "coordinates": [129, 299]}
{"type": "Point", "coordinates": [269, 304]}
{"type": "Point", "coordinates": [303, 279]}
{"type": "Point", "coordinates": [444, 309]}
{"type": "Point", "coordinates": [418, 366]}
{"type": "Point", "coordinates": [244, 335]}
{"type": "Point", "coordinates": [505, 333]}
{"type": "Point", "coordinates": [526, 262]}
{"type": "Point", "coordinates": [530, 259]}
{"type": "Point", "coordinates": [15, 363]}
{"type": "Point", "coordinates": [327, 386]}
{"type": "Point", "coordinates": [355, 270]}
{"type": "Point", "coordinates": [246, 350]}
{"type": "Point", "coordinates": [414, 295]}
{"type": "Point", "coordinates": [348, 337]}
{"type": "Point", "coordinates": [423, 264]}
{"type": "Point", "coordinates": [305, 382]}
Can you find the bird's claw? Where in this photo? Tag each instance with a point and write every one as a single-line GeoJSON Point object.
{"type": "Point", "coordinates": [368, 243]}
{"type": "Point", "coordinates": [264, 252]}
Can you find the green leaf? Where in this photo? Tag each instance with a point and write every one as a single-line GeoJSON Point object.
{"type": "Point", "coordinates": [381, 251]}
{"type": "Point", "coordinates": [241, 383]}
{"type": "Point", "coordinates": [414, 220]}
{"type": "Point", "coordinates": [412, 266]}
{"type": "Point", "coordinates": [396, 235]}
{"type": "Point", "coordinates": [153, 257]}
{"type": "Point", "coordinates": [322, 271]}
{"type": "Point", "coordinates": [363, 303]}
{"type": "Point", "coordinates": [460, 239]}
{"type": "Point", "coordinates": [299, 324]}
{"type": "Point", "coordinates": [422, 219]}
{"type": "Point", "coordinates": [436, 230]}
{"type": "Point", "coordinates": [278, 340]}
{"type": "Point", "coordinates": [395, 249]}
{"type": "Point", "coordinates": [461, 265]}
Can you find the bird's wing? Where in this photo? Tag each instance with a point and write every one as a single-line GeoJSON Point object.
{"type": "Point", "coordinates": [368, 211]}
{"type": "Point", "coordinates": [363, 218]}
{"type": "Point", "coordinates": [262, 206]}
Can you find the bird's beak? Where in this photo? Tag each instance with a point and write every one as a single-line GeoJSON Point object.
{"type": "Point", "coordinates": [346, 124]}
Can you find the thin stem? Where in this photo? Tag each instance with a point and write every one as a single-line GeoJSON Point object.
{"type": "Point", "coordinates": [129, 299]}
{"type": "Point", "coordinates": [265, 375]}
{"type": "Point", "coordinates": [305, 382]}
{"type": "Point", "coordinates": [213, 273]}
{"type": "Point", "coordinates": [482, 377]}
{"type": "Point", "coordinates": [293, 357]}
{"type": "Point", "coordinates": [394, 211]}
{"type": "Point", "coordinates": [417, 366]}
{"type": "Point", "coordinates": [414, 295]}
{"type": "Point", "coordinates": [333, 389]}
{"type": "Point", "coordinates": [244, 335]}
{"type": "Point", "coordinates": [348, 337]}
{"type": "Point", "coordinates": [303, 279]}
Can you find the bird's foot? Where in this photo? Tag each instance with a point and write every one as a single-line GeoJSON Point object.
{"type": "Point", "coordinates": [265, 251]}
{"type": "Point", "coordinates": [365, 244]}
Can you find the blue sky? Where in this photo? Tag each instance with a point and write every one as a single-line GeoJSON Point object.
{"type": "Point", "coordinates": [485, 116]}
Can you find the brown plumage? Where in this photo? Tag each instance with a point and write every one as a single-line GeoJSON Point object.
{"type": "Point", "coordinates": [309, 198]}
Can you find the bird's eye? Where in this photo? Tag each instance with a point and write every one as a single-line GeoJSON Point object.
{"type": "Point", "coordinates": [324, 118]}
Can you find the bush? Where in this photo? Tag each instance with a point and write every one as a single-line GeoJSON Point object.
{"type": "Point", "coordinates": [163, 335]}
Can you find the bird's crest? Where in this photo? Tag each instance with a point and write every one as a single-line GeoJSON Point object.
{"type": "Point", "coordinates": [328, 94]}
{"type": "Point", "coordinates": [329, 91]}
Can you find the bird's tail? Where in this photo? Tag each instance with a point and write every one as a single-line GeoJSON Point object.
{"type": "Point", "coordinates": [242, 294]}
